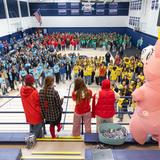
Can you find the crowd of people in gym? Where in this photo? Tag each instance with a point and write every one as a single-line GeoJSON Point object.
{"type": "Point", "coordinates": [37, 59]}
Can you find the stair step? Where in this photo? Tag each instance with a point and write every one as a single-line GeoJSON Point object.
{"type": "Point", "coordinates": [65, 137]}
{"type": "Point", "coordinates": [44, 157]}
{"type": "Point", "coordinates": [56, 153]}
{"type": "Point", "coordinates": [59, 140]}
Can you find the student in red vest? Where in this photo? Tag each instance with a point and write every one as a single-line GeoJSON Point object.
{"type": "Point", "coordinates": [82, 96]}
{"type": "Point", "coordinates": [31, 105]}
{"type": "Point", "coordinates": [104, 109]}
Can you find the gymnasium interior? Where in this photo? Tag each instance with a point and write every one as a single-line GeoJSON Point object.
{"type": "Point", "coordinates": [37, 35]}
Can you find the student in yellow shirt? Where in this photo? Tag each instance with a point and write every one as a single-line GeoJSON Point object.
{"type": "Point", "coordinates": [132, 86]}
{"type": "Point", "coordinates": [132, 62]}
{"type": "Point", "coordinates": [113, 75]}
{"type": "Point", "coordinates": [139, 83]}
{"type": "Point", "coordinates": [120, 106]}
{"type": "Point", "coordinates": [139, 67]}
{"type": "Point", "coordinates": [126, 62]}
{"type": "Point", "coordinates": [110, 67]}
{"type": "Point", "coordinates": [141, 77]}
{"type": "Point", "coordinates": [97, 74]}
{"type": "Point", "coordinates": [89, 74]}
{"type": "Point", "coordinates": [85, 74]}
{"type": "Point", "coordinates": [124, 73]}
{"type": "Point", "coordinates": [130, 75]}
{"type": "Point", "coordinates": [76, 70]}
{"type": "Point", "coordinates": [119, 73]}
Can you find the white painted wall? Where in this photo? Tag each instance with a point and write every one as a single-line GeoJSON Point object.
{"type": "Point", "coordinates": [10, 25]}
{"type": "Point", "coordinates": [149, 17]}
{"type": "Point", "coordinates": [4, 30]}
{"type": "Point", "coordinates": [82, 21]}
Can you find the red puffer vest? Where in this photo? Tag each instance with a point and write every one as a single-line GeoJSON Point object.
{"type": "Point", "coordinates": [106, 100]}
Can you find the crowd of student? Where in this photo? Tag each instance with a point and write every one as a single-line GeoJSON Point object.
{"type": "Point", "coordinates": [73, 41]}
{"type": "Point", "coordinates": [38, 57]}
{"type": "Point", "coordinates": [125, 74]}
{"type": "Point", "coordinates": [37, 54]}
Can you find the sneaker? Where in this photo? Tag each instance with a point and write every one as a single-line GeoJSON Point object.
{"type": "Point", "coordinates": [30, 141]}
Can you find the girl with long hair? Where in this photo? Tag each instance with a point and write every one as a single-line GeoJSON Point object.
{"type": "Point", "coordinates": [51, 105]}
{"type": "Point", "coordinates": [82, 96]}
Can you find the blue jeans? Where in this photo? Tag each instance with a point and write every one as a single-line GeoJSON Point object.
{"type": "Point", "coordinates": [36, 130]}
{"type": "Point", "coordinates": [75, 75]}
{"type": "Point", "coordinates": [62, 77]}
{"type": "Point", "coordinates": [85, 79]}
{"type": "Point", "coordinates": [89, 80]}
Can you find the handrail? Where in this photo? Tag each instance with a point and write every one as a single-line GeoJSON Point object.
{"type": "Point", "coordinates": [67, 123]}
{"type": "Point", "coordinates": [64, 112]}
{"type": "Point", "coordinates": [69, 112]}
{"type": "Point", "coordinates": [127, 97]}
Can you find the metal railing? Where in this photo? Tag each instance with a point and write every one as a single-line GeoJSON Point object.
{"type": "Point", "coordinates": [64, 112]}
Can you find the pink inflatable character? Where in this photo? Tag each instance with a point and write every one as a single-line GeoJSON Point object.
{"type": "Point", "coordinates": [146, 118]}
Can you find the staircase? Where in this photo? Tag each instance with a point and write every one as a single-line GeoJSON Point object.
{"type": "Point", "coordinates": [61, 148]}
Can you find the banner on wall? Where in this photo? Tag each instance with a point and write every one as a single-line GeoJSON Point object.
{"type": "Point", "coordinates": [61, 5]}
{"type": "Point", "coordinates": [113, 8]}
{"type": "Point", "coordinates": [100, 12]}
{"type": "Point", "coordinates": [100, 6]}
{"type": "Point", "coordinates": [62, 12]}
{"type": "Point", "coordinates": [74, 5]}
{"type": "Point", "coordinates": [75, 12]}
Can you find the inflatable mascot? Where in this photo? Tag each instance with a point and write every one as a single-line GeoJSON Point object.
{"type": "Point", "coordinates": [146, 118]}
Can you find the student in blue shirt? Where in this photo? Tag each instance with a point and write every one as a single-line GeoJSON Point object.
{"type": "Point", "coordinates": [63, 72]}
{"type": "Point", "coordinates": [1, 48]}
{"type": "Point", "coordinates": [22, 75]}
{"type": "Point", "coordinates": [1, 80]}
{"type": "Point", "coordinates": [27, 66]}
{"type": "Point", "coordinates": [48, 72]}
{"type": "Point", "coordinates": [3, 86]}
{"type": "Point", "coordinates": [56, 70]}
{"type": "Point", "coordinates": [36, 77]}
{"type": "Point", "coordinates": [31, 70]}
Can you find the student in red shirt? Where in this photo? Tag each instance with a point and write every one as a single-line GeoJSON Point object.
{"type": "Point", "coordinates": [31, 105]}
{"type": "Point", "coordinates": [55, 44]}
{"type": "Point", "coordinates": [63, 44]}
{"type": "Point", "coordinates": [102, 73]}
{"type": "Point", "coordinates": [82, 96]}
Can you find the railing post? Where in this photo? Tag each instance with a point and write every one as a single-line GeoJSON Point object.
{"type": "Point", "coordinates": [67, 103]}
{"type": "Point", "coordinates": [82, 132]}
